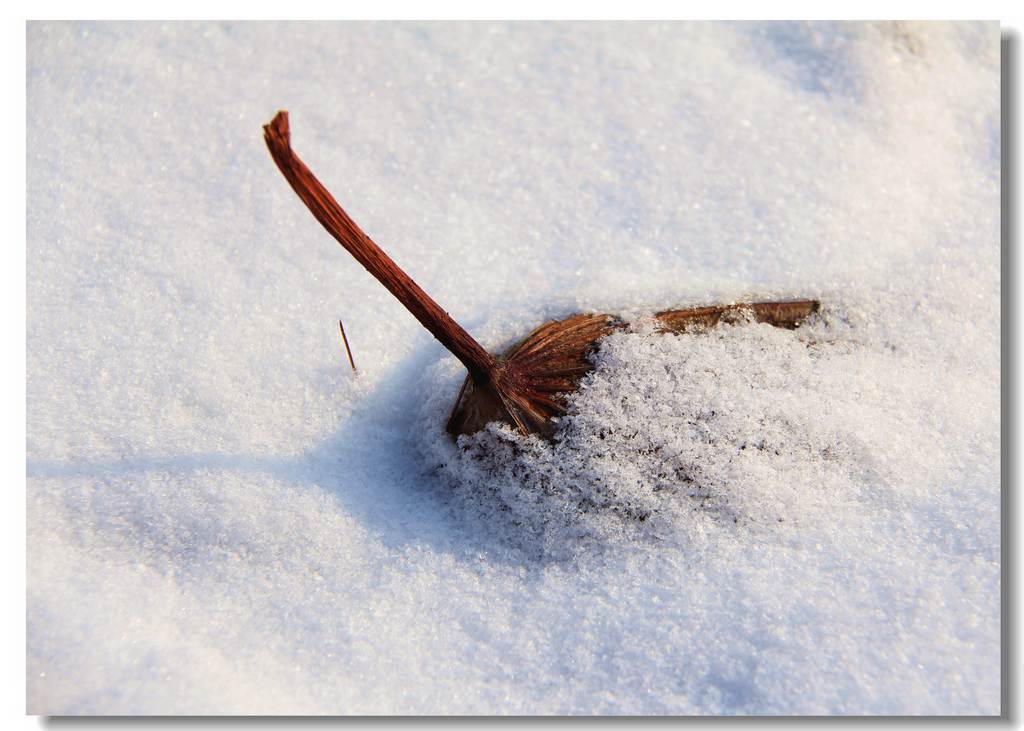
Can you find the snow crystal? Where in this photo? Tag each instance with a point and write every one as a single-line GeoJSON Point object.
{"type": "Point", "coordinates": [223, 518]}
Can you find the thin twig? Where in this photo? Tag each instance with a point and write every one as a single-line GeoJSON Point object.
{"type": "Point", "coordinates": [347, 349]}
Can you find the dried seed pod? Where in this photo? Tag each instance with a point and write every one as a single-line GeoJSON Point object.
{"type": "Point", "coordinates": [552, 359]}
{"type": "Point", "coordinates": [527, 385]}
{"type": "Point", "coordinates": [542, 369]}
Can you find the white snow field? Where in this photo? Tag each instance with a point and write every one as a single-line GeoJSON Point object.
{"type": "Point", "coordinates": [222, 518]}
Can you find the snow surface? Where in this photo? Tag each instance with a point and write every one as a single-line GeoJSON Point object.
{"type": "Point", "coordinates": [223, 519]}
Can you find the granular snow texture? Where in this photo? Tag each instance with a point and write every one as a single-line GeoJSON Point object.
{"type": "Point", "coordinates": [222, 518]}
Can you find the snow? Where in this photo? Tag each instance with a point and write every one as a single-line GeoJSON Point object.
{"type": "Point", "coordinates": [223, 518]}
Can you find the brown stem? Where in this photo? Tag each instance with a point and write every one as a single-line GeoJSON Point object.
{"type": "Point", "coordinates": [478, 361]}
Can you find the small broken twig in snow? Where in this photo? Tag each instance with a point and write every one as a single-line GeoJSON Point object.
{"type": "Point", "coordinates": [347, 349]}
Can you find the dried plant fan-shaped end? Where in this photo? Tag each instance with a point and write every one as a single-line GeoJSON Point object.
{"type": "Point", "coordinates": [537, 373]}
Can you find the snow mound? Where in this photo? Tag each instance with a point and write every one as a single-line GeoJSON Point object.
{"type": "Point", "coordinates": [672, 435]}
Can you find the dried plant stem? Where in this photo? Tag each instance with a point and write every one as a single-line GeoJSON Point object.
{"type": "Point", "coordinates": [322, 205]}
{"type": "Point", "coordinates": [786, 314]}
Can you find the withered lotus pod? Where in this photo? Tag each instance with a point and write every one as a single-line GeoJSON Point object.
{"type": "Point", "coordinates": [527, 385]}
